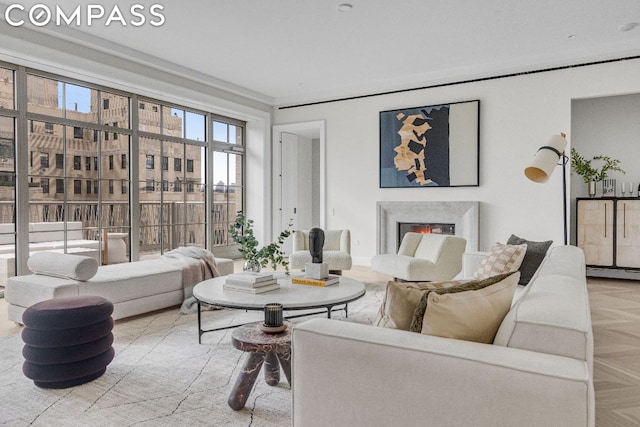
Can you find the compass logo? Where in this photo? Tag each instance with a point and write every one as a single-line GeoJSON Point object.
{"type": "Point", "coordinates": [40, 15]}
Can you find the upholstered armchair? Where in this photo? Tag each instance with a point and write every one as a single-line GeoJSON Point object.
{"type": "Point", "coordinates": [422, 258]}
{"type": "Point", "coordinates": [336, 251]}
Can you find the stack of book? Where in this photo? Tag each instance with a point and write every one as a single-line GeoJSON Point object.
{"type": "Point", "coordinates": [332, 279]}
{"type": "Point", "coordinates": [253, 283]}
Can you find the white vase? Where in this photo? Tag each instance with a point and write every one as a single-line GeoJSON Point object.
{"type": "Point", "coordinates": [592, 189]}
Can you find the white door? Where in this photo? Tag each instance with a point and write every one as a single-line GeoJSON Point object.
{"type": "Point", "coordinates": [296, 183]}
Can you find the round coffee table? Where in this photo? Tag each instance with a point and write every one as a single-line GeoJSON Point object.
{"type": "Point", "coordinates": [272, 350]}
{"type": "Point", "coordinates": [291, 296]}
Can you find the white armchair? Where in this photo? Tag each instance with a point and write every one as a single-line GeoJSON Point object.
{"type": "Point", "coordinates": [336, 251]}
{"type": "Point", "coordinates": [423, 257]}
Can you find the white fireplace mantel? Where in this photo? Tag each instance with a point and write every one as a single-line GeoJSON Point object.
{"type": "Point", "coordinates": [465, 216]}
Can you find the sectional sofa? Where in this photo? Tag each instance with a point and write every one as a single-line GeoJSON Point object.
{"type": "Point", "coordinates": [537, 372]}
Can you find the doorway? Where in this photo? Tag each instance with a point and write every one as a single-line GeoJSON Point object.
{"type": "Point", "coordinates": [298, 177]}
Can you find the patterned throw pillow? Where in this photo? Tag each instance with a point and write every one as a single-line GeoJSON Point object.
{"type": "Point", "coordinates": [501, 259]}
{"type": "Point", "coordinates": [469, 285]}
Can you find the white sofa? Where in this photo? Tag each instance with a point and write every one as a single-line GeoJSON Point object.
{"type": "Point", "coordinates": [538, 372]}
{"type": "Point", "coordinates": [133, 287]}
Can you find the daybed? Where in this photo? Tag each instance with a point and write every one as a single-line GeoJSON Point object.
{"type": "Point", "coordinates": [538, 372]}
{"type": "Point", "coordinates": [133, 288]}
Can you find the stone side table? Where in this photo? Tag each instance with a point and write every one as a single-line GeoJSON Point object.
{"type": "Point", "coordinates": [272, 350]}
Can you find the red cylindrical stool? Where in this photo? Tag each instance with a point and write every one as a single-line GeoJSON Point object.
{"type": "Point", "coordinates": [67, 340]}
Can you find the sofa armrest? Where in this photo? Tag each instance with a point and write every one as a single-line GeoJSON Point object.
{"type": "Point", "coordinates": [471, 262]}
{"type": "Point", "coordinates": [353, 374]}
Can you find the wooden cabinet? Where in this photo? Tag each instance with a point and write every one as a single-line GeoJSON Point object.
{"type": "Point", "coordinates": [595, 231]}
{"type": "Point", "coordinates": [628, 233]}
{"type": "Point", "coordinates": [608, 231]}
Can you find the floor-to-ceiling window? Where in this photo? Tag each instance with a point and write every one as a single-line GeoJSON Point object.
{"type": "Point", "coordinates": [8, 116]}
{"type": "Point", "coordinates": [228, 172]}
{"type": "Point", "coordinates": [84, 142]}
{"type": "Point", "coordinates": [74, 134]}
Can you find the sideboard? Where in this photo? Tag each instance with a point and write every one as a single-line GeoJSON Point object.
{"type": "Point", "coordinates": [608, 231]}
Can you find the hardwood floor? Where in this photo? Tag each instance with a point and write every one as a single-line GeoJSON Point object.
{"type": "Point", "coordinates": [615, 313]}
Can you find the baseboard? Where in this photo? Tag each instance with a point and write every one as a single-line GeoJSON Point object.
{"type": "Point", "coordinates": [613, 273]}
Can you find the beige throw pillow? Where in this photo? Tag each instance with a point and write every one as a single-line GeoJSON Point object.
{"type": "Point", "coordinates": [471, 315]}
{"type": "Point", "coordinates": [501, 259]}
{"type": "Point", "coordinates": [469, 285]}
{"type": "Point", "coordinates": [400, 301]}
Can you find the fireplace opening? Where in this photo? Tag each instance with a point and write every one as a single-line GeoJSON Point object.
{"type": "Point", "coordinates": [424, 228]}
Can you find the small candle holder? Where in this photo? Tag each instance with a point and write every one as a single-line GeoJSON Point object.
{"type": "Point", "coordinates": [273, 315]}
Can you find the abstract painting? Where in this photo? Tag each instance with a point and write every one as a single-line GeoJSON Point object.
{"type": "Point", "coordinates": [432, 146]}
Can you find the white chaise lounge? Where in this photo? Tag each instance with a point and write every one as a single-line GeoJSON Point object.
{"type": "Point", "coordinates": [133, 288]}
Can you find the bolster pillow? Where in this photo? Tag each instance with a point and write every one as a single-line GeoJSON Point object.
{"type": "Point", "coordinates": [66, 266]}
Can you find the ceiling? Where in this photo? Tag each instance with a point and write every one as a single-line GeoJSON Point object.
{"type": "Point", "coordinates": [287, 52]}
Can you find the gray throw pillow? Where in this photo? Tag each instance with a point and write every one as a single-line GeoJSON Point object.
{"type": "Point", "coordinates": [536, 251]}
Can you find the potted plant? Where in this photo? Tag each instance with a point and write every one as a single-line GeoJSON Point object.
{"type": "Point", "coordinates": [241, 232]}
{"type": "Point", "coordinates": [591, 174]}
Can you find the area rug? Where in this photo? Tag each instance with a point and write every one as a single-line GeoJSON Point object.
{"type": "Point", "coordinates": [160, 376]}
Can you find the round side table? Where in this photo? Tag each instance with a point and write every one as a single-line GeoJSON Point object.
{"type": "Point", "coordinates": [272, 350]}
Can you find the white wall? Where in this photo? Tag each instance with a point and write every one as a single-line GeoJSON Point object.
{"type": "Point", "coordinates": [517, 116]}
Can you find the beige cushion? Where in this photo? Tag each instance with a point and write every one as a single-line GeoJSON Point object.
{"type": "Point", "coordinates": [501, 259]}
{"type": "Point", "coordinates": [472, 315]}
{"type": "Point", "coordinates": [462, 286]}
{"type": "Point", "coordinates": [400, 301]}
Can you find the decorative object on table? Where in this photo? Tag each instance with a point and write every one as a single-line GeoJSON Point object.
{"type": "Point", "coordinates": [336, 250]}
{"type": "Point", "coordinates": [250, 290]}
{"type": "Point", "coordinates": [624, 187]}
{"type": "Point", "coordinates": [591, 174]}
{"type": "Point", "coordinates": [273, 318]}
{"type": "Point", "coordinates": [316, 269]}
{"type": "Point", "coordinates": [241, 231]}
{"type": "Point", "coordinates": [250, 279]}
{"type": "Point", "coordinates": [331, 279]}
{"type": "Point", "coordinates": [316, 244]}
{"type": "Point", "coordinates": [609, 187]}
{"type": "Point", "coordinates": [543, 165]}
{"type": "Point", "coordinates": [432, 146]}
{"type": "Point", "coordinates": [250, 282]}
